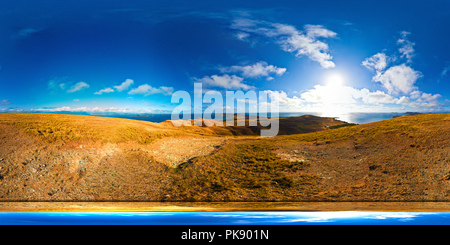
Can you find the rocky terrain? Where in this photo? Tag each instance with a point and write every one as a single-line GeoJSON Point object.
{"type": "Point", "coordinates": [48, 157]}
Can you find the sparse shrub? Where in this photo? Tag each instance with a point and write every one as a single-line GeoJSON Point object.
{"type": "Point", "coordinates": [218, 186]}
{"type": "Point", "coordinates": [284, 182]}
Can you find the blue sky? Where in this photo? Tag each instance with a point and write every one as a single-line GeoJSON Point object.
{"type": "Point", "coordinates": [316, 56]}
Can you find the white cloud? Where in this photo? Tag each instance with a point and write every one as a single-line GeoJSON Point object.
{"type": "Point", "coordinates": [398, 79]}
{"type": "Point", "coordinates": [245, 24]}
{"type": "Point", "coordinates": [259, 69]}
{"type": "Point", "coordinates": [143, 89]}
{"type": "Point", "coordinates": [406, 47]}
{"type": "Point", "coordinates": [430, 97]}
{"type": "Point", "coordinates": [166, 90]}
{"type": "Point", "coordinates": [339, 94]}
{"type": "Point", "coordinates": [335, 99]}
{"type": "Point", "coordinates": [77, 87]}
{"type": "Point", "coordinates": [377, 62]}
{"type": "Point", "coordinates": [56, 83]}
{"type": "Point", "coordinates": [242, 36]}
{"type": "Point", "coordinates": [306, 45]}
{"type": "Point", "coordinates": [423, 100]}
{"type": "Point", "coordinates": [290, 39]}
{"type": "Point", "coordinates": [403, 100]}
{"type": "Point", "coordinates": [401, 78]}
{"type": "Point", "coordinates": [415, 94]}
{"type": "Point", "coordinates": [4, 102]}
{"type": "Point", "coordinates": [315, 31]}
{"type": "Point", "coordinates": [283, 98]}
{"type": "Point", "coordinates": [146, 90]}
{"type": "Point", "coordinates": [377, 97]}
{"type": "Point", "coordinates": [80, 109]}
{"type": "Point", "coordinates": [124, 86]}
{"type": "Point", "coordinates": [225, 81]}
{"type": "Point", "coordinates": [100, 110]}
{"type": "Point", "coordinates": [445, 71]}
{"type": "Point", "coordinates": [106, 90]}
{"type": "Point", "coordinates": [331, 94]}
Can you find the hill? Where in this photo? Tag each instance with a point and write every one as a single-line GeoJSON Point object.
{"type": "Point", "coordinates": [74, 158]}
{"type": "Point", "coordinates": [287, 125]}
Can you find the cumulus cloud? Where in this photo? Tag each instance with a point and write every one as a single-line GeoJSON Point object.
{"type": "Point", "coordinates": [77, 87]}
{"type": "Point", "coordinates": [225, 81]}
{"type": "Point", "coordinates": [259, 69]}
{"type": "Point", "coordinates": [377, 97]}
{"type": "Point", "coordinates": [393, 73]}
{"type": "Point", "coordinates": [404, 100]}
{"type": "Point", "coordinates": [124, 86]}
{"type": "Point", "coordinates": [377, 62]}
{"type": "Point", "coordinates": [106, 90]}
{"type": "Point", "coordinates": [339, 94]}
{"type": "Point", "coordinates": [398, 79]}
{"type": "Point", "coordinates": [422, 100]}
{"type": "Point", "coordinates": [342, 99]}
{"type": "Point", "coordinates": [331, 94]}
{"type": "Point", "coordinates": [290, 39]}
{"type": "Point", "coordinates": [146, 90]}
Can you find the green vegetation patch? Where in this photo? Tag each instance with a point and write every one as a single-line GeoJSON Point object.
{"type": "Point", "coordinates": [342, 125]}
{"type": "Point", "coordinates": [247, 170]}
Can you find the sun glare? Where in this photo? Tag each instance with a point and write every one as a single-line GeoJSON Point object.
{"type": "Point", "coordinates": [335, 80]}
{"type": "Point", "coordinates": [334, 95]}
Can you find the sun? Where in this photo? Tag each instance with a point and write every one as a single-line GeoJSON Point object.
{"type": "Point", "coordinates": [335, 80]}
{"type": "Point", "coordinates": [335, 96]}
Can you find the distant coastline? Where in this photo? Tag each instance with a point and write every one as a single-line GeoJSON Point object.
{"type": "Point", "coordinates": [355, 117]}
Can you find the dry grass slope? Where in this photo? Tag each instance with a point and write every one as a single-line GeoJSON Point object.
{"type": "Point", "coordinates": [67, 157]}
{"type": "Point", "coordinates": [55, 128]}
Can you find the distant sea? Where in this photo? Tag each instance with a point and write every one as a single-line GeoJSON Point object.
{"type": "Point", "coordinates": [358, 118]}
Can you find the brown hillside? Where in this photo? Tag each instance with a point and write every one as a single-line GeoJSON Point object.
{"type": "Point", "coordinates": [287, 125]}
{"type": "Point", "coordinates": [402, 159]}
{"type": "Point", "coordinates": [64, 157]}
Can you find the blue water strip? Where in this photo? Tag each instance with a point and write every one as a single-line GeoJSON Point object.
{"type": "Point", "coordinates": [225, 218]}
